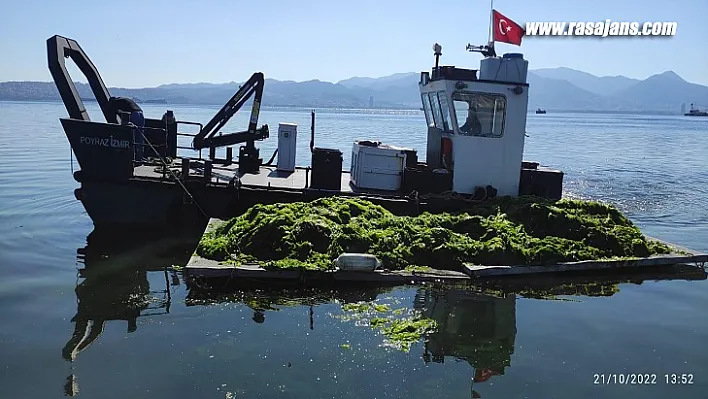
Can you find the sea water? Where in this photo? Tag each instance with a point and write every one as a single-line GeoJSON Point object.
{"type": "Point", "coordinates": [112, 320]}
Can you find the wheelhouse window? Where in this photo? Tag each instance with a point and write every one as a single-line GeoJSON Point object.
{"type": "Point", "coordinates": [479, 114]}
{"type": "Point", "coordinates": [435, 105]}
{"type": "Point", "coordinates": [445, 110]}
{"type": "Point", "coordinates": [428, 111]}
{"type": "Point", "coordinates": [440, 110]}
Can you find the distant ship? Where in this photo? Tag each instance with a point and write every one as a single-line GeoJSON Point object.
{"type": "Point", "coordinates": [696, 112]}
{"type": "Point", "coordinates": [156, 101]}
{"type": "Point", "coordinates": [540, 111]}
{"type": "Point", "coordinates": [149, 101]}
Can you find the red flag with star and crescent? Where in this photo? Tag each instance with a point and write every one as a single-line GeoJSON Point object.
{"type": "Point", "coordinates": [506, 30]}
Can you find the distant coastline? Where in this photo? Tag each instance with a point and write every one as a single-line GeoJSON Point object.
{"type": "Point", "coordinates": [411, 110]}
{"type": "Point", "coordinates": [555, 89]}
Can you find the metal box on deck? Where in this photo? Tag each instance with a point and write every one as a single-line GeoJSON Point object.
{"type": "Point", "coordinates": [287, 143]}
{"type": "Point", "coordinates": [378, 166]}
{"type": "Point", "coordinates": [326, 169]}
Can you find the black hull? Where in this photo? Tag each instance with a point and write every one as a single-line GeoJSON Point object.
{"type": "Point", "coordinates": [153, 205]}
{"type": "Point", "coordinates": [150, 204]}
{"type": "Point", "coordinates": [116, 205]}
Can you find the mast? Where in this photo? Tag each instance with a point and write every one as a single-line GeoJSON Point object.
{"type": "Point", "coordinates": [490, 43]}
{"type": "Point", "coordinates": [491, 22]}
{"type": "Point", "coordinates": [488, 49]}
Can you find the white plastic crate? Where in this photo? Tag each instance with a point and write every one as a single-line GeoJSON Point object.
{"type": "Point", "coordinates": [377, 167]}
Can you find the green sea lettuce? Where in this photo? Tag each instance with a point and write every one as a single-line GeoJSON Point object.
{"type": "Point", "coordinates": [504, 231]}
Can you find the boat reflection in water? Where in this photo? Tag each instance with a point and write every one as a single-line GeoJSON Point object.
{"type": "Point", "coordinates": [478, 325]}
{"type": "Point", "coordinates": [265, 296]}
{"type": "Point", "coordinates": [123, 281]}
{"type": "Point", "coordinates": [474, 327]}
{"type": "Point", "coordinates": [114, 284]}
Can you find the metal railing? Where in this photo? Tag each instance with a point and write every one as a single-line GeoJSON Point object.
{"type": "Point", "coordinates": [201, 127]}
{"type": "Point", "coordinates": [154, 147]}
{"type": "Point", "coordinates": [164, 130]}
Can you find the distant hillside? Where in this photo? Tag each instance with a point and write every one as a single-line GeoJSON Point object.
{"type": "Point", "coordinates": [555, 89]}
{"type": "Point", "coordinates": [397, 79]}
{"type": "Point", "coordinates": [555, 94]}
{"type": "Point", "coordinates": [664, 91]}
{"type": "Point", "coordinates": [605, 85]}
{"type": "Point", "coordinates": [312, 93]}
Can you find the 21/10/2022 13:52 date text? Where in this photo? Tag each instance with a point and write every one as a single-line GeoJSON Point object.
{"type": "Point", "coordinates": [642, 379]}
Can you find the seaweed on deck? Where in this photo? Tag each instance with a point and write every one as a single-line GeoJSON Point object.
{"type": "Point", "coordinates": [504, 231]}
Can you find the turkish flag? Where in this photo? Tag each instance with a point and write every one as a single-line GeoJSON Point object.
{"type": "Point", "coordinates": [506, 30]}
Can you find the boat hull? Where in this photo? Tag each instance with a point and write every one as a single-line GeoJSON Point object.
{"type": "Point", "coordinates": [114, 205]}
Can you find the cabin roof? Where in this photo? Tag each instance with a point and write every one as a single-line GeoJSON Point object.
{"type": "Point", "coordinates": [453, 73]}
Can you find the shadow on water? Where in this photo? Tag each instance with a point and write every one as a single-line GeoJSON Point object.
{"type": "Point", "coordinates": [113, 283]}
{"type": "Point", "coordinates": [476, 323]}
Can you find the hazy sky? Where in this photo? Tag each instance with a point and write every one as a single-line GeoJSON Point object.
{"type": "Point", "coordinates": [151, 42]}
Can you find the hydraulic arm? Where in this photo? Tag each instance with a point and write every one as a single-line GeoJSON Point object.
{"type": "Point", "coordinates": [59, 48]}
{"type": "Point", "coordinates": [207, 136]}
{"type": "Point", "coordinates": [248, 154]}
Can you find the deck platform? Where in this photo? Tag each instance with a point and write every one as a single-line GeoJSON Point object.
{"type": "Point", "coordinates": [201, 268]}
{"type": "Point", "coordinates": [475, 271]}
{"type": "Point", "coordinates": [268, 176]}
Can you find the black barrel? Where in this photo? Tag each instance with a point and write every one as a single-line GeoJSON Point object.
{"type": "Point", "coordinates": [326, 169]}
{"type": "Point", "coordinates": [545, 183]}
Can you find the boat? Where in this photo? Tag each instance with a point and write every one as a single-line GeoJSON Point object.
{"type": "Point", "coordinates": [130, 173]}
{"type": "Point", "coordinates": [695, 112]}
{"type": "Point", "coordinates": [540, 111]}
{"type": "Point", "coordinates": [155, 101]}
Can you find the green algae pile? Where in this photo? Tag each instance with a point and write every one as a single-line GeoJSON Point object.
{"type": "Point", "coordinates": [504, 231]}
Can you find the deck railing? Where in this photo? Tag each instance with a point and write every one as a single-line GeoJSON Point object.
{"type": "Point", "coordinates": [201, 127]}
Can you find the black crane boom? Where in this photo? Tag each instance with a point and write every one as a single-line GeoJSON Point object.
{"type": "Point", "coordinates": [207, 136]}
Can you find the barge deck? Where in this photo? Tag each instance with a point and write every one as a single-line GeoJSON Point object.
{"type": "Point", "coordinates": [268, 177]}
{"type": "Point", "coordinates": [201, 269]}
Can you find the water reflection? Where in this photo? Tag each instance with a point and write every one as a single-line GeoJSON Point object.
{"type": "Point", "coordinates": [124, 297]}
{"type": "Point", "coordinates": [476, 324]}
{"type": "Point", "coordinates": [262, 297]}
{"type": "Point", "coordinates": [123, 280]}
{"type": "Point", "coordinates": [598, 283]}
{"type": "Point", "coordinates": [477, 328]}
{"type": "Point", "coordinates": [113, 284]}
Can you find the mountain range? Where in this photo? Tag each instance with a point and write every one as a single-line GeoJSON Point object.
{"type": "Point", "coordinates": [555, 89]}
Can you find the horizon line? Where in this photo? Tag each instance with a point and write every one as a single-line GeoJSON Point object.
{"type": "Point", "coordinates": [354, 77]}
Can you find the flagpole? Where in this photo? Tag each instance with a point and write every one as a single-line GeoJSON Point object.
{"type": "Point", "coordinates": [490, 43]}
{"type": "Point", "coordinates": [491, 21]}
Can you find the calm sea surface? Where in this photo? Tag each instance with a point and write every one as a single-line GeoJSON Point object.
{"type": "Point", "coordinates": [110, 320]}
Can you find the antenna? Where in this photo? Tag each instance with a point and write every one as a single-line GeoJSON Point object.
{"type": "Point", "coordinates": [437, 50]}
{"type": "Point", "coordinates": [488, 49]}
